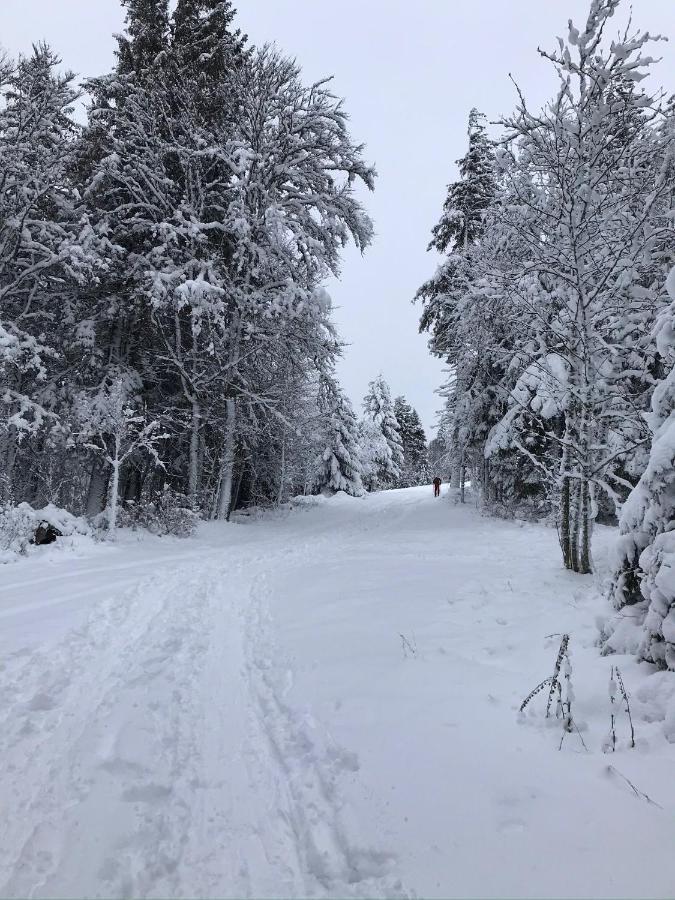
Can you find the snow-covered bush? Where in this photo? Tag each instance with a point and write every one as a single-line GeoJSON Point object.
{"type": "Point", "coordinates": [18, 525]}
{"type": "Point", "coordinates": [646, 550]}
{"type": "Point", "coordinates": [168, 513]}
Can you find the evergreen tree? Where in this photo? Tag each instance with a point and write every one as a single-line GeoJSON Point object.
{"type": "Point", "coordinates": [415, 469]}
{"type": "Point", "coordinates": [464, 330]}
{"type": "Point", "coordinates": [461, 224]}
{"type": "Point", "coordinates": [208, 51]}
{"type": "Point", "coordinates": [205, 40]}
{"type": "Point", "coordinates": [146, 35]}
{"type": "Point", "coordinates": [379, 410]}
{"type": "Point", "coordinates": [374, 455]}
{"type": "Point", "coordinates": [340, 466]}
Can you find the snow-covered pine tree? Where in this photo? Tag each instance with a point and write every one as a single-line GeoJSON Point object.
{"type": "Point", "coordinates": [339, 465]}
{"type": "Point", "coordinates": [145, 37]}
{"type": "Point", "coordinates": [462, 324]}
{"type": "Point", "coordinates": [373, 453]}
{"type": "Point", "coordinates": [457, 231]}
{"type": "Point", "coordinates": [467, 200]}
{"type": "Point", "coordinates": [207, 42]}
{"type": "Point", "coordinates": [415, 455]}
{"type": "Point", "coordinates": [379, 411]}
{"type": "Point", "coordinates": [46, 251]}
{"type": "Point", "coordinates": [644, 576]}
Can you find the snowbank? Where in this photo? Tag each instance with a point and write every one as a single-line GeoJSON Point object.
{"type": "Point", "coordinates": [18, 525]}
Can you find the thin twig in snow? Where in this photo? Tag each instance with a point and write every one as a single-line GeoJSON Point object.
{"type": "Point", "coordinates": [614, 771]}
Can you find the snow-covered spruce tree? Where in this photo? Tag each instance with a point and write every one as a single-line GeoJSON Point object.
{"type": "Point", "coordinates": [463, 332]}
{"type": "Point", "coordinates": [461, 223]}
{"type": "Point", "coordinates": [339, 465]}
{"type": "Point", "coordinates": [644, 575]}
{"type": "Point", "coordinates": [145, 38]}
{"type": "Point", "coordinates": [581, 227]}
{"type": "Point", "coordinates": [211, 49]}
{"type": "Point", "coordinates": [46, 252]}
{"type": "Point", "coordinates": [374, 454]}
{"type": "Point", "coordinates": [379, 414]}
{"type": "Point", "coordinates": [415, 469]}
{"type": "Point", "coordinates": [119, 179]}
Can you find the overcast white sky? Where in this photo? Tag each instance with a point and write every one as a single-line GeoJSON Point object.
{"type": "Point", "coordinates": [410, 73]}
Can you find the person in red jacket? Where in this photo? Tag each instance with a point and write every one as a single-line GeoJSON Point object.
{"type": "Point", "coordinates": [437, 486]}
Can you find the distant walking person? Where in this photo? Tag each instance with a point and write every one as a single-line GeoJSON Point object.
{"type": "Point", "coordinates": [437, 486]}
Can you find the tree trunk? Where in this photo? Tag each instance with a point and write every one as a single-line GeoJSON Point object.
{"type": "Point", "coordinates": [194, 472]}
{"type": "Point", "coordinates": [131, 491]}
{"type": "Point", "coordinates": [585, 529]}
{"type": "Point", "coordinates": [565, 536]}
{"type": "Point", "coordinates": [98, 489]}
{"type": "Point", "coordinates": [224, 505]}
{"type": "Point", "coordinates": [584, 549]}
{"type": "Point", "coordinates": [114, 490]}
{"type": "Point", "coordinates": [575, 506]}
{"type": "Point", "coordinates": [565, 503]}
{"type": "Point", "coordinates": [282, 473]}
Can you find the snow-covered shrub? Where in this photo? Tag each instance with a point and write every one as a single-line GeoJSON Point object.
{"type": "Point", "coordinates": [646, 548]}
{"type": "Point", "coordinates": [18, 525]}
{"type": "Point", "coordinates": [168, 513]}
{"type": "Point", "coordinates": [616, 688]}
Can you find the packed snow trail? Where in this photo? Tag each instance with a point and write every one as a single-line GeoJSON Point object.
{"type": "Point", "coordinates": [320, 703]}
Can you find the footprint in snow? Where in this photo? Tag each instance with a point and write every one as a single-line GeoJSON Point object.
{"type": "Point", "coordinates": [146, 793]}
{"type": "Point", "coordinates": [511, 826]}
{"type": "Point", "coordinates": [41, 703]}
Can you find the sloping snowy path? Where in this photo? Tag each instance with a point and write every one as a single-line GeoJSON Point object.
{"type": "Point", "coordinates": [319, 704]}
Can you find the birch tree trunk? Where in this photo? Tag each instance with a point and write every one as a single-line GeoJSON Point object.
{"type": "Point", "coordinates": [564, 501]}
{"type": "Point", "coordinates": [114, 489]}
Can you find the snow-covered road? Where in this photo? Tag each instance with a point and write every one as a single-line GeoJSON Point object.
{"type": "Point", "coordinates": [320, 703]}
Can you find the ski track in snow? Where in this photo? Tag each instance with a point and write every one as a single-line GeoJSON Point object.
{"type": "Point", "coordinates": [110, 742]}
{"type": "Point", "coordinates": [237, 716]}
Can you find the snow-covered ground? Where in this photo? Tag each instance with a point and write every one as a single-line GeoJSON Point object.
{"type": "Point", "coordinates": [323, 702]}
